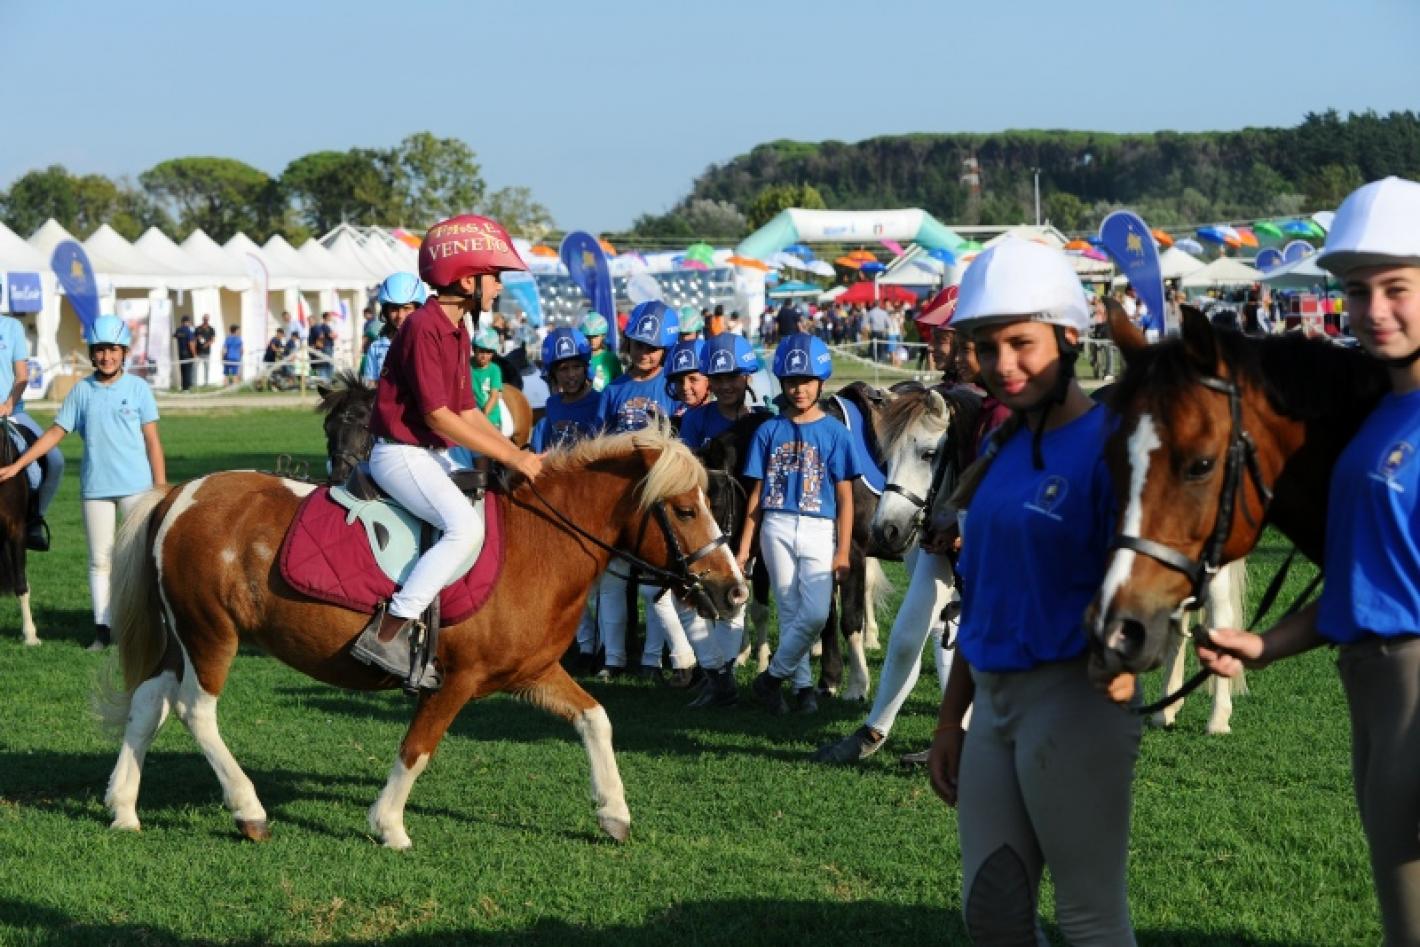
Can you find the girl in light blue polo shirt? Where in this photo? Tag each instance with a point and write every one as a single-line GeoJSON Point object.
{"type": "Point", "coordinates": [117, 417]}
{"type": "Point", "coordinates": [14, 378]}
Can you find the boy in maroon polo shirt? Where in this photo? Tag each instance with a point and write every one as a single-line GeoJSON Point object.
{"type": "Point", "coordinates": [424, 405]}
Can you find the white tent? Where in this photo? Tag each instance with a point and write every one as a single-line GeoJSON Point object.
{"type": "Point", "coordinates": [1297, 273]}
{"type": "Point", "coordinates": [1224, 271]}
{"type": "Point", "coordinates": [1176, 264]}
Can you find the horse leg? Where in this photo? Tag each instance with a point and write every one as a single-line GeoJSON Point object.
{"type": "Point", "coordinates": [852, 598]}
{"type": "Point", "coordinates": [1225, 610]}
{"type": "Point", "coordinates": [558, 694]}
{"type": "Point", "coordinates": [431, 720]}
{"type": "Point", "coordinates": [27, 622]}
{"type": "Point", "coordinates": [758, 620]}
{"type": "Point", "coordinates": [147, 709]}
{"type": "Point", "coordinates": [1174, 659]}
{"type": "Point", "coordinates": [871, 580]}
{"type": "Point", "coordinates": [830, 676]}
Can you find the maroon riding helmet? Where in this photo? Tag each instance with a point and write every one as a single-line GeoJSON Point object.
{"type": "Point", "coordinates": [467, 245]}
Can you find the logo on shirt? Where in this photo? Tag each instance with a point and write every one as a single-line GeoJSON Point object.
{"type": "Point", "coordinates": [1049, 496]}
{"type": "Point", "coordinates": [797, 362]}
{"type": "Point", "coordinates": [636, 414]}
{"type": "Point", "coordinates": [795, 457]}
{"type": "Point", "coordinates": [1395, 457]}
{"type": "Point", "coordinates": [721, 362]}
{"type": "Point", "coordinates": [684, 361]}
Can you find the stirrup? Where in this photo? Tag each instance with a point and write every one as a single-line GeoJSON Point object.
{"type": "Point", "coordinates": [400, 655]}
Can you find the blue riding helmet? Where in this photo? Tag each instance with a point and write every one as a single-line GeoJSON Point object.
{"type": "Point", "coordinates": [594, 323]}
{"type": "Point", "coordinates": [402, 289]}
{"type": "Point", "coordinates": [563, 344]}
{"type": "Point", "coordinates": [488, 339]}
{"type": "Point", "coordinates": [109, 330]}
{"type": "Point", "coordinates": [655, 324]}
{"type": "Point", "coordinates": [691, 320]}
{"type": "Point", "coordinates": [803, 356]}
{"type": "Point", "coordinates": [684, 358]}
{"type": "Point", "coordinates": [729, 354]}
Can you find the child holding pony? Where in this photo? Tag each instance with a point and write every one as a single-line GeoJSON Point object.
{"type": "Point", "coordinates": [116, 415]}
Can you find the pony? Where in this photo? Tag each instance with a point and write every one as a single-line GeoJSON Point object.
{"type": "Point", "coordinates": [14, 511]}
{"type": "Point", "coordinates": [1219, 434]}
{"type": "Point", "coordinates": [346, 403]}
{"type": "Point", "coordinates": [196, 576]}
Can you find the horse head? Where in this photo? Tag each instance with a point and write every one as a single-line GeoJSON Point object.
{"type": "Point", "coordinates": [346, 404]}
{"type": "Point", "coordinates": [723, 458]}
{"type": "Point", "coordinates": [913, 435]}
{"type": "Point", "coordinates": [1208, 425]}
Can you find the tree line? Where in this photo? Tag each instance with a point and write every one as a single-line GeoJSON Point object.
{"type": "Point", "coordinates": [1169, 178]}
{"type": "Point", "coordinates": [419, 181]}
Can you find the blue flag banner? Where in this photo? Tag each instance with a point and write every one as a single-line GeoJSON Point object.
{"type": "Point", "coordinates": [1126, 238]}
{"type": "Point", "coordinates": [521, 288]}
{"type": "Point", "coordinates": [76, 277]}
{"type": "Point", "coordinates": [1296, 250]}
{"type": "Point", "coordinates": [1269, 259]}
{"type": "Point", "coordinates": [586, 264]}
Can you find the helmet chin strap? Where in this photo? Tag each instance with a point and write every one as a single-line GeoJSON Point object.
{"type": "Point", "coordinates": [1057, 394]}
{"type": "Point", "coordinates": [1405, 362]}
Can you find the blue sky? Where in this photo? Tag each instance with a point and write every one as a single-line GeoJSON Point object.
{"type": "Point", "coordinates": [610, 109]}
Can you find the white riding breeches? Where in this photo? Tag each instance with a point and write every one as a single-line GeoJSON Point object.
{"type": "Point", "coordinates": [663, 626]}
{"type": "Point", "coordinates": [798, 553]}
{"type": "Point", "coordinates": [100, 525]}
{"type": "Point", "coordinates": [918, 619]}
{"type": "Point", "coordinates": [418, 479]}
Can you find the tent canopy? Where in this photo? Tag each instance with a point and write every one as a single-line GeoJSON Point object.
{"type": "Point", "coordinates": [863, 293]}
{"type": "Point", "coordinates": [1224, 271]}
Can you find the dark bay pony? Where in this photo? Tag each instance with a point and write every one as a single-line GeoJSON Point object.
{"type": "Point", "coordinates": [14, 510]}
{"type": "Point", "coordinates": [1210, 424]}
{"type": "Point", "coordinates": [346, 403]}
{"type": "Point", "coordinates": [196, 575]}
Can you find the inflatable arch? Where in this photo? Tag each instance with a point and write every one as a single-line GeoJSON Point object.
{"type": "Point", "coordinates": [847, 226]}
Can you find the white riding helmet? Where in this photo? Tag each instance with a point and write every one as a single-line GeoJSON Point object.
{"type": "Point", "coordinates": [1019, 280]}
{"type": "Point", "coordinates": [1377, 225]}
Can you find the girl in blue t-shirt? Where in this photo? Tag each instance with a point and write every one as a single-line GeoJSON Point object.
{"type": "Point", "coordinates": [1043, 777]}
{"type": "Point", "coordinates": [801, 509]}
{"type": "Point", "coordinates": [685, 383]}
{"type": "Point", "coordinates": [1370, 605]}
{"type": "Point", "coordinates": [117, 417]}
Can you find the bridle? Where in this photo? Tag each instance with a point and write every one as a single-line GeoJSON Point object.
{"type": "Point", "coordinates": [1241, 455]}
{"type": "Point", "coordinates": [940, 469]}
{"type": "Point", "coordinates": [338, 448]}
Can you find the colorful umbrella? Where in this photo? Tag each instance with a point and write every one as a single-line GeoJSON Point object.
{"type": "Point", "coordinates": [700, 251]}
{"type": "Point", "coordinates": [1189, 245]}
{"type": "Point", "coordinates": [1302, 228]}
{"type": "Point", "coordinates": [1094, 254]}
{"type": "Point", "coordinates": [1078, 245]}
{"type": "Point", "coordinates": [1267, 230]}
{"type": "Point", "coordinates": [942, 254]}
{"type": "Point", "coordinates": [407, 238]}
{"type": "Point", "coordinates": [1163, 239]}
{"type": "Point", "coordinates": [689, 264]}
{"type": "Point", "coordinates": [872, 266]}
{"type": "Point", "coordinates": [606, 245]}
{"type": "Point", "coordinates": [863, 256]}
{"type": "Point", "coordinates": [848, 262]}
{"type": "Point", "coordinates": [542, 249]}
{"type": "Point", "coordinates": [749, 262]}
{"type": "Point", "coordinates": [1248, 238]}
{"type": "Point", "coordinates": [1212, 235]}
{"type": "Point", "coordinates": [800, 250]}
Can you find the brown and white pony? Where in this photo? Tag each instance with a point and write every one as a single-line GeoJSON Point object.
{"type": "Point", "coordinates": [14, 511]}
{"type": "Point", "coordinates": [1298, 403]}
{"type": "Point", "coordinates": [196, 575]}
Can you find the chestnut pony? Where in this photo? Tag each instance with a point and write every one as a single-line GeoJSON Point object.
{"type": "Point", "coordinates": [196, 575]}
{"type": "Point", "coordinates": [1219, 434]}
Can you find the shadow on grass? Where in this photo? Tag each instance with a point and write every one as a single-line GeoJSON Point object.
{"type": "Point", "coordinates": [737, 921]}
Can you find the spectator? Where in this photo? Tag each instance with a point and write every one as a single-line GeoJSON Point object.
{"type": "Point", "coordinates": [878, 325]}
{"type": "Point", "coordinates": [322, 345]}
{"type": "Point", "coordinates": [788, 321]}
{"type": "Point", "coordinates": [232, 355]}
{"type": "Point", "coordinates": [203, 337]}
{"type": "Point", "coordinates": [186, 351]}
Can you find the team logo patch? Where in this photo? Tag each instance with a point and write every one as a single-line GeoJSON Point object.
{"type": "Point", "coordinates": [721, 362]}
{"type": "Point", "coordinates": [649, 328]}
{"type": "Point", "coordinates": [684, 361]}
{"type": "Point", "coordinates": [566, 348]}
{"type": "Point", "coordinates": [1395, 457]}
{"type": "Point", "coordinates": [1049, 496]}
{"type": "Point", "coordinates": [797, 363]}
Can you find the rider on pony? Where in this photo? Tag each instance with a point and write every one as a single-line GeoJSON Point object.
{"type": "Point", "coordinates": [14, 377]}
{"type": "Point", "coordinates": [424, 406]}
{"type": "Point", "coordinates": [400, 294]}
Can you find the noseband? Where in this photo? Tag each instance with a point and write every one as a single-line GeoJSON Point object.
{"type": "Point", "coordinates": [1242, 455]}
{"type": "Point", "coordinates": [924, 504]}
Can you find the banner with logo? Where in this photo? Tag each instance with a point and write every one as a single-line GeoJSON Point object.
{"type": "Point", "coordinates": [586, 264]}
{"type": "Point", "coordinates": [1126, 238]}
{"type": "Point", "coordinates": [76, 277]}
{"type": "Point", "coordinates": [521, 289]}
{"type": "Point", "coordinates": [24, 292]}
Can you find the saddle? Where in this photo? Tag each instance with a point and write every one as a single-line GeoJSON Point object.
{"type": "Point", "coordinates": [853, 404]}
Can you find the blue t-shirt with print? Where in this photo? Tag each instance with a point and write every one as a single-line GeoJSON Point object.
{"type": "Point", "coordinates": [799, 465]}
{"type": "Point", "coordinates": [1034, 548]}
{"type": "Point", "coordinates": [703, 424]}
{"type": "Point", "coordinates": [565, 423]}
{"type": "Point", "coordinates": [628, 405]}
{"type": "Point", "coordinates": [110, 419]}
{"type": "Point", "coordinates": [1372, 530]}
{"type": "Point", "coordinates": [14, 347]}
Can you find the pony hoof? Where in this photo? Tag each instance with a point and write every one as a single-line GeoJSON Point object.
{"type": "Point", "coordinates": [1221, 729]}
{"type": "Point", "coordinates": [618, 829]}
{"type": "Point", "coordinates": [254, 830]}
{"type": "Point", "coordinates": [1160, 722]}
{"type": "Point", "coordinates": [125, 824]}
{"type": "Point", "coordinates": [32, 642]}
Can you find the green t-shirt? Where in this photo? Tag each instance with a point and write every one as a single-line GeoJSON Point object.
{"type": "Point", "coordinates": [604, 368]}
{"type": "Point", "coordinates": [485, 382]}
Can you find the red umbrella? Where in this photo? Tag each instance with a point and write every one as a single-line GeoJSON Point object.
{"type": "Point", "coordinates": [863, 293]}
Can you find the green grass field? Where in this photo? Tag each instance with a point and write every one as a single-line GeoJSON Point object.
{"type": "Point", "coordinates": [1245, 839]}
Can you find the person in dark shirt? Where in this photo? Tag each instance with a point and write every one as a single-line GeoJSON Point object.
{"type": "Point", "coordinates": [186, 351]}
{"type": "Point", "coordinates": [203, 337]}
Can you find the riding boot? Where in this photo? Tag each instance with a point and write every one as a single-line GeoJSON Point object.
{"type": "Point", "coordinates": [37, 534]}
{"type": "Point", "coordinates": [398, 655]}
{"type": "Point", "coordinates": [103, 637]}
{"type": "Point", "coordinates": [769, 691]}
{"type": "Point", "coordinates": [858, 745]}
{"type": "Point", "coordinates": [720, 690]}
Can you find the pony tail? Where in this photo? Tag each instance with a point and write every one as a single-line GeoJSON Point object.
{"type": "Point", "coordinates": [971, 478]}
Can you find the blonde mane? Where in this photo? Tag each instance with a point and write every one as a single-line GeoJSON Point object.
{"type": "Point", "coordinates": [675, 471]}
{"type": "Point", "coordinates": [903, 413]}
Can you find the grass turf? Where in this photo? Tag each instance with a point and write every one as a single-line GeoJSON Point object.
{"type": "Point", "coordinates": [737, 839]}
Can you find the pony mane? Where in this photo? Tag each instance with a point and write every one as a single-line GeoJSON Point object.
{"type": "Point", "coordinates": [1304, 379]}
{"type": "Point", "coordinates": [903, 414]}
{"type": "Point", "coordinates": [675, 471]}
{"type": "Point", "coordinates": [346, 384]}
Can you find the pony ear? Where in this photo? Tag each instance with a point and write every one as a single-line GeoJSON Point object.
{"type": "Point", "coordinates": [1198, 340]}
{"type": "Point", "coordinates": [323, 390]}
{"type": "Point", "coordinates": [936, 404]}
{"type": "Point", "coordinates": [1123, 332]}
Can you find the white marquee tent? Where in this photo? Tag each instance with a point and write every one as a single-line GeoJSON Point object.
{"type": "Point", "coordinates": [1224, 271]}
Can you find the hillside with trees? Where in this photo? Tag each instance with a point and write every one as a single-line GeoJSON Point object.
{"type": "Point", "coordinates": [1170, 178]}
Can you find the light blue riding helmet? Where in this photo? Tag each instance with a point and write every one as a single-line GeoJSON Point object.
{"type": "Point", "coordinates": [803, 356]}
{"type": "Point", "coordinates": [684, 358]}
{"type": "Point", "coordinates": [487, 338]}
{"type": "Point", "coordinates": [729, 354]}
{"type": "Point", "coordinates": [402, 289]}
{"type": "Point", "coordinates": [691, 320]}
{"type": "Point", "coordinates": [109, 330]}
{"type": "Point", "coordinates": [594, 323]}
{"type": "Point", "coordinates": [655, 324]}
{"type": "Point", "coordinates": [562, 344]}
